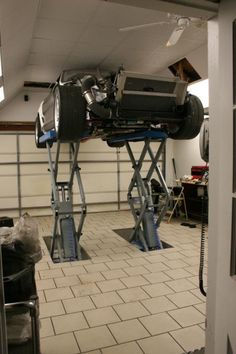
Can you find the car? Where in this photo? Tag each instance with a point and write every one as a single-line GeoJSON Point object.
{"type": "Point", "coordinates": [93, 104]}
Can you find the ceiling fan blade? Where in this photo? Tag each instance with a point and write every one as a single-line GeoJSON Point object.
{"type": "Point", "coordinates": [175, 36]}
{"type": "Point", "coordinates": [146, 25]}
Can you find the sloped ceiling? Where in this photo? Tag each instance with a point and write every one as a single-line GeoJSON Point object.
{"type": "Point", "coordinates": [42, 37]}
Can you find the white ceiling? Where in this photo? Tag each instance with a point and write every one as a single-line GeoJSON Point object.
{"type": "Point", "coordinates": [42, 37]}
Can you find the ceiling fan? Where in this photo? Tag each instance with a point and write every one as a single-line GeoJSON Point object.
{"type": "Point", "coordinates": [181, 22]}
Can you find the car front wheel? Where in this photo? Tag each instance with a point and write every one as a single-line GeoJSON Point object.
{"type": "Point", "coordinates": [69, 113]}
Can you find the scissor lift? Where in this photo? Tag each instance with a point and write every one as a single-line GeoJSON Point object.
{"type": "Point", "coordinates": [65, 236]}
{"type": "Point", "coordinates": [145, 233]}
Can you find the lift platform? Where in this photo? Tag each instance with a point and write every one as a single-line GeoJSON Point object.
{"type": "Point", "coordinates": [65, 237]}
{"type": "Point", "coordinates": [145, 234]}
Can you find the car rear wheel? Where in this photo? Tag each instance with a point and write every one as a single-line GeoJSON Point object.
{"type": "Point", "coordinates": [69, 113]}
{"type": "Point", "coordinates": [38, 134]}
{"type": "Point", "coordinates": [190, 127]}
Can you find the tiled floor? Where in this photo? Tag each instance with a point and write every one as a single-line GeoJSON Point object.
{"type": "Point", "coordinates": [122, 301]}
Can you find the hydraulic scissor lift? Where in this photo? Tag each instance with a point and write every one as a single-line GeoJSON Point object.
{"type": "Point", "coordinates": [65, 237]}
{"type": "Point", "coordinates": [139, 195]}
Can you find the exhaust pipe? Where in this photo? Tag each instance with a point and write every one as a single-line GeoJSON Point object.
{"type": "Point", "coordinates": [86, 84]}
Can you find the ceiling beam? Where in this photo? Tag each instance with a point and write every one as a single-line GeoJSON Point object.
{"type": "Point", "coordinates": [194, 8]}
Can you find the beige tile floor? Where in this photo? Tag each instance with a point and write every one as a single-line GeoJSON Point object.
{"type": "Point", "coordinates": [122, 301]}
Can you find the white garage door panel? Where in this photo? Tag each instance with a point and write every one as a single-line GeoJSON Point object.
{"type": "Point", "coordinates": [95, 145]}
{"type": "Point", "coordinates": [8, 203]}
{"type": "Point", "coordinates": [92, 167]}
{"type": "Point", "coordinates": [31, 201]}
{"type": "Point", "coordinates": [99, 182]}
{"type": "Point", "coordinates": [8, 186]}
{"type": "Point", "coordinates": [35, 185]}
{"type": "Point", "coordinates": [27, 144]}
{"type": "Point", "coordinates": [7, 144]}
{"type": "Point", "coordinates": [96, 156]}
{"type": "Point", "coordinates": [34, 169]}
{"type": "Point", "coordinates": [98, 197]}
{"type": "Point", "coordinates": [8, 170]}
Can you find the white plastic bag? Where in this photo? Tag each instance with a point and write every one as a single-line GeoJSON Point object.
{"type": "Point", "coordinates": [26, 231]}
{"type": "Point", "coordinates": [18, 327]}
{"type": "Point", "coordinates": [5, 235]}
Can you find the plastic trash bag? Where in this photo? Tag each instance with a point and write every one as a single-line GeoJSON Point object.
{"type": "Point", "coordinates": [18, 327]}
{"type": "Point", "coordinates": [26, 231]}
{"type": "Point", "coordinates": [5, 235]}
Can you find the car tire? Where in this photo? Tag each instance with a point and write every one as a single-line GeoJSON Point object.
{"type": "Point", "coordinates": [69, 113]}
{"type": "Point", "coordinates": [191, 125]}
{"type": "Point", "coordinates": [38, 134]}
{"type": "Point", "coordinates": [115, 144]}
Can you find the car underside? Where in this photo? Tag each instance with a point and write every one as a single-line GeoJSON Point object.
{"type": "Point", "coordinates": [83, 105]}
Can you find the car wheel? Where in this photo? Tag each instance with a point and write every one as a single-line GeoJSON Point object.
{"type": "Point", "coordinates": [69, 113]}
{"type": "Point", "coordinates": [38, 134]}
{"type": "Point", "coordinates": [116, 144]}
{"type": "Point", "coordinates": [191, 125]}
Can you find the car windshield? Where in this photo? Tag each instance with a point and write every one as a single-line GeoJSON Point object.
{"type": "Point", "coordinates": [68, 75]}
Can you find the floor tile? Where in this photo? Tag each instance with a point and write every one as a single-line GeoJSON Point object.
{"type": "Point", "coordinates": [157, 289]}
{"type": "Point", "coordinates": [156, 277]}
{"type": "Point", "coordinates": [156, 267]}
{"type": "Point", "coordinates": [127, 348]}
{"type": "Point", "coordinates": [156, 258]}
{"type": "Point", "coordinates": [130, 310]}
{"type": "Point", "coordinates": [45, 284]}
{"type": "Point", "coordinates": [158, 304]}
{"type": "Point", "coordinates": [159, 323]}
{"type": "Point", "coordinates": [114, 274]}
{"type": "Point", "coordinates": [67, 281]}
{"type": "Point", "coordinates": [58, 294]}
{"type": "Point", "coordinates": [187, 316]}
{"type": "Point", "coordinates": [110, 285]}
{"type": "Point", "coordinates": [175, 264]}
{"type": "Point", "coordinates": [190, 338]}
{"type": "Point", "coordinates": [139, 270]}
{"type": "Point", "coordinates": [201, 307]}
{"type": "Point", "coordinates": [69, 323]}
{"type": "Point", "coordinates": [126, 331]}
{"type": "Point", "coordinates": [74, 270]}
{"type": "Point", "coordinates": [101, 316]}
{"type": "Point", "coordinates": [137, 261]}
{"type": "Point", "coordinates": [177, 273]}
{"type": "Point", "coordinates": [94, 338]}
{"type": "Point", "coordinates": [85, 289]}
{"type": "Point", "coordinates": [46, 328]}
{"type": "Point", "coordinates": [52, 273]}
{"type": "Point", "coordinates": [163, 344]}
{"type": "Point", "coordinates": [100, 267]}
{"type": "Point", "coordinates": [61, 344]}
{"type": "Point", "coordinates": [91, 277]}
{"type": "Point", "coordinates": [49, 309]}
{"type": "Point", "coordinates": [133, 281]}
{"type": "Point", "coordinates": [117, 264]}
{"type": "Point", "coordinates": [180, 285]}
{"type": "Point", "coordinates": [132, 294]}
{"type": "Point", "coordinates": [184, 299]}
{"type": "Point", "coordinates": [106, 299]}
{"type": "Point", "coordinates": [41, 297]}
{"type": "Point", "coordinates": [78, 304]}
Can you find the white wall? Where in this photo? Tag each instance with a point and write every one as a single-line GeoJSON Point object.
{"type": "Point", "coordinates": [19, 110]}
{"type": "Point", "coordinates": [187, 154]}
{"type": "Point", "coordinates": [221, 304]}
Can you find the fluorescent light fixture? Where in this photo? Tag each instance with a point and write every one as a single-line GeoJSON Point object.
{"type": "Point", "coordinates": [201, 90]}
{"type": "Point", "coordinates": [2, 95]}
